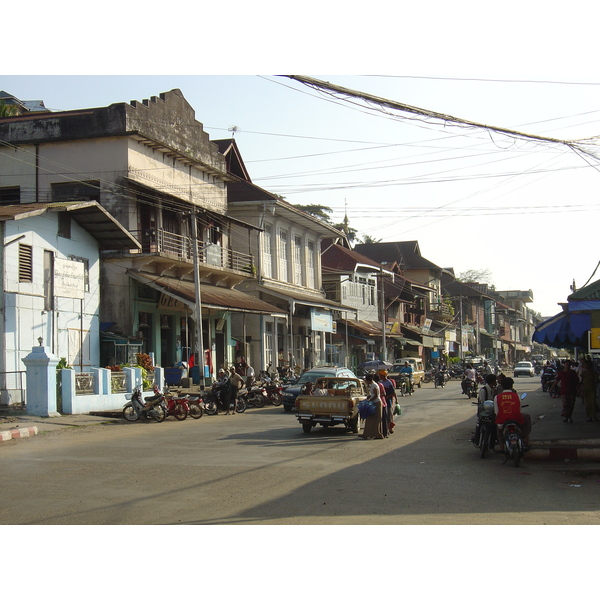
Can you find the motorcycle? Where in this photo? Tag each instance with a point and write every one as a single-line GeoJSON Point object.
{"type": "Point", "coordinates": [256, 396]}
{"type": "Point", "coordinates": [150, 407]}
{"type": "Point", "coordinates": [194, 406]}
{"type": "Point", "coordinates": [176, 406]}
{"type": "Point", "coordinates": [548, 380]}
{"type": "Point", "coordinates": [512, 440]}
{"type": "Point", "coordinates": [485, 430]}
{"type": "Point", "coordinates": [274, 391]}
{"type": "Point", "coordinates": [405, 385]}
{"type": "Point", "coordinates": [429, 376]}
{"type": "Point", "coordinates": [470, 388]}
{"type": "Point", "coordinates": [439, 379]}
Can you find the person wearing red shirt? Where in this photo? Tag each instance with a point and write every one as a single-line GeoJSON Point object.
{"type": "Point", "coordinates": [567, 381]}
{"type": "Point", "coordinates": [508, 408]}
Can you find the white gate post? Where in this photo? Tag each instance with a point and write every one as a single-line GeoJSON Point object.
{"type": "Point", "coordinates": [41, 382]}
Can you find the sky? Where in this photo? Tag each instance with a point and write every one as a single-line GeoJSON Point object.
{"type": "Point", "coordinates": [528, 212]}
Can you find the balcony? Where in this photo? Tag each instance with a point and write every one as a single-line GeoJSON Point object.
{"type": "Point", "coordinates": [163, 248]}
{"type": "Point", "coordinates": [441, 311]}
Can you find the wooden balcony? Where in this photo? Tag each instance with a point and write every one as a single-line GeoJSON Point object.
{"type": "Point", "coordinates": [441, 311]}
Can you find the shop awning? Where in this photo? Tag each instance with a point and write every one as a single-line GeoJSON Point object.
{"type": "Point", "coordinates": [563, 330]}
{"type": "Point", "coordinates": [212, 296]}
{"type": "Point", "coordinates": [403, 340]}
{"type": "Point", "coordinates": [306, 299]}
{"type": "Point", "coordinates": [363, 326]}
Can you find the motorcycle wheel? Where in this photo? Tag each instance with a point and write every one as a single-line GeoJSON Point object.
{"type": "Point", "coordinates": [210, 407]}
{"type": "Point", "coordinates": [159, 413]}
{"type": "Point", "coordinates": [130, 414]}
{"type": "Point", "coordinates": [402, 389]}
{"type": "Point", "coordinates": [259, 401]}
{"type": "Point", "coordinates": [276, 399]}
{"type": "Point", "coordinates": [240, 405]}
{"type": "Point", "coordinates": [180, 412]}
{"type": "Point", "coordinates": [195, 410]}
{"type": "Point", "coordinates": [484, 442]}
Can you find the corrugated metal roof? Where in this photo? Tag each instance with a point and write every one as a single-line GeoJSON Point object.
{"type": "Point", "coordinates": [211, 296]}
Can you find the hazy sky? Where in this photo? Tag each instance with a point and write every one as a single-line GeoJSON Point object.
{"type": "Point", "coordinates": [473, 199]}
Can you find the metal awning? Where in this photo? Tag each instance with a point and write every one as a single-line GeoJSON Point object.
{"type": "Point", "coordinates": [92, 217]}
{"type": "Point", "coordinates": [306, 299]}
{"type": "Point", "coordinates": [212, 296]}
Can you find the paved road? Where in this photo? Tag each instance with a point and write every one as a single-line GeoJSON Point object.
{"type": "Point", "coordinates": [260, 468]}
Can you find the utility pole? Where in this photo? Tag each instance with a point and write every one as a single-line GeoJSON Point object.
{"type": "Point", "coordinates": [199, 337]}
{"type": "Point", "coordinates": [383, 340]}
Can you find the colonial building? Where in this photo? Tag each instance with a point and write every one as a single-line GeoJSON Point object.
{"type": "Point", "coordinates": [288, 272]}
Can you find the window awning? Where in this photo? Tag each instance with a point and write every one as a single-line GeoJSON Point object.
{"type": "Point", "coordinates": [212, 296]}
{"type": "Point", "coordinates": [563, 330]}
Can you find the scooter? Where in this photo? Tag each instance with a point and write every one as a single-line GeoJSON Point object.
{"type": "Point", "coordinates": [512, 441]}
{"type": "Point", "coordinates": [176, 406]}
{"type": "Point", "coordinates": [150, 407]}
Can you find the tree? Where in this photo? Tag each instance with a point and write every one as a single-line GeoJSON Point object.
{"type": "Point", "coordinates": [317, 210]}
{"type": "Point", "coordinates": [367, 239]}
{"type": "Point", "coordinates": [8, 110]}
{"type": "Point", "coordinates": [345, 227]}
{"type": "Point", "coordinates": [475, 276]}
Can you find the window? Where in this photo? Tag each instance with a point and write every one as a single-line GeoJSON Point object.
{"type": "Point", "coordinates": [78, 190]}
{"type": "Point", "coordinates": [283, 255]}
{"type": "Point", "coordinates": [64, 225]}
{"type": "Point", "coordinates": [310, 262]}
{"type": "Point", "coordinates": [267, 252]}
{"type": "Point", "coordinates": [297, 260]}
{"type": "Point", "coordinates": [25, 263]}
{"type": "Point", "coordinates": [10, 195]}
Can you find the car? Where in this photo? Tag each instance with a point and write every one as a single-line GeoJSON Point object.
{"type": "Point", "coordinates": [524, 368]}
{"type": "Point", "coordinates": [293, 391]}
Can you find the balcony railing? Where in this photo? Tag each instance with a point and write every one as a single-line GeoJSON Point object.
{"type": "Point", "coordinates": [181, 247]}
{"type": "Point", "coordinates": [443, 310]}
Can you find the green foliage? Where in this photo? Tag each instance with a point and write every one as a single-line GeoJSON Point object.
{"type": "Point", "coordinates": [317, 210]}
{"type": "Point", "coordinates": [63, 364]}
{"type": "Point", "coordinates": [8, 110]}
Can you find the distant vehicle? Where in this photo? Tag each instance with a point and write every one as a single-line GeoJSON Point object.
{"type": "Point", "coordinates": [524, 368]}
{"type": "Point", "coordinates": [290, 393]}
{"type": "Point", "coordinates": [373, 365]}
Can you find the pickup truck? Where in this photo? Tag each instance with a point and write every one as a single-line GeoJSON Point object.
{"type": "Point", "coordinates": [339, 407]}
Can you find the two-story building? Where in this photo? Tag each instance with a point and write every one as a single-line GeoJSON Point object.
{"type": "Point", "coordinates": [150, 165]}
{"type": "Point", "coordinates": [287, 248]}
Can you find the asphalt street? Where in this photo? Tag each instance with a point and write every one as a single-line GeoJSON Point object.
{"type": "Point", "coordinates": [260, 468]}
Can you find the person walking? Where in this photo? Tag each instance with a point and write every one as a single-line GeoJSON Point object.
{"type": "Point", "coordinates": [390, 397]}
{"type": "Point", "coordinates": [567, 381]}
{"type": "Point", "coordinates": [372, 428]}
{"type": "Point", "coordinates": [384, 406]}
{"type": "Point", "coordinates": [249, 375]}
{"type": "Point", "coordinates": [589, 382]}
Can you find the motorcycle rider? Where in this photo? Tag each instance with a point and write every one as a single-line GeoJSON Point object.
{"type": "Point", "coordinates": [507, 405]}
{"type": "Point", "coordinates": [469, 379]}
{"type": "Point", "coordinates": [408, 370]}
{"type": "Point", "coordinates": [223, 387]}
{"type": "Point", "coordinates": [487, 392]}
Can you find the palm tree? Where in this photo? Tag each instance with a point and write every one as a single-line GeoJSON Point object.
{"type": "Point", "coordinates": [8, 110]}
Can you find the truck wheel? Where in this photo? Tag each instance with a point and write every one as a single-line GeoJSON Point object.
{"type": "Point", "coordinates": [306, 427]}
{"type": "Point", "coordinates": [287, 408]}
{"type": "Point", "coordinates": [354, 424]}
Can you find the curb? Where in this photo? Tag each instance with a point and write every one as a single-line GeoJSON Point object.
{"type": "Point", "coordinates": [15, 434]}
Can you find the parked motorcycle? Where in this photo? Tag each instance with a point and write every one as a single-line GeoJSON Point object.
{"type": "Point", "coordinates": [194, 406]}
{"type": "Point", "coordinates": [256, 396]}
{"type": "Point", "coordinates": [512, 440]}
{"type": "Point", "coordinates": [150, 407]}
{"type": "Point", "coordinates": [274, 391]}
{"type": "Point", "coordinates": [176, 406]}
{"type": "Point", "coordinates": [485, 430]}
